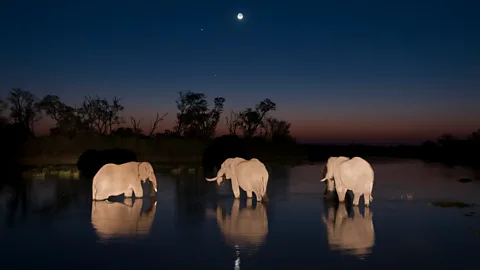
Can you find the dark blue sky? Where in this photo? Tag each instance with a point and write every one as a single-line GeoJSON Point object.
{"type": "Point", "coordinates": [338, 70]}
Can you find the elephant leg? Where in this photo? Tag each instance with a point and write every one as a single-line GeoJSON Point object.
{"type": "Point", "coordinates": [356, 199]}
{"type": "Point", "coordinates": [235, 188]}
{"type": "Point", "coordinates": [259, 198]}
{"type": "Point", "coordinates": [341, 194]}
{"type": "Point", "coordinates": [137, 188]}
{"type": "Point", "coordinates": [367, 198]}
{"type": "Point", "coordinates": [129, 193]}
{"type": "Point", "coordinates": [249, 194]}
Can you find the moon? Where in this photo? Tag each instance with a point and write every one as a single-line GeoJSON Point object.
{"type": "Point", "coordinates": [239, 16]}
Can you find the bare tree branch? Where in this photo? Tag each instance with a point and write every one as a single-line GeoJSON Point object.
{"type": "Point", "coordinates": [158, 119]}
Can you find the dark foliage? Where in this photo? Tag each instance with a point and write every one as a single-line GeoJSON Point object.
{"type": "Point", "coordinates": [12, 142]}
{"type": "Point", "coordinates": [221, 148]}
{"type": "Point", "coordinates": [92, 160]}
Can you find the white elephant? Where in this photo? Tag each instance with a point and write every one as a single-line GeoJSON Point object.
{"type": "Point", "coordinates": [113, 180]}
{"type": "Point", "coordinates": [118, 220]}
{"type": "Point", "coordinates": [353, 174]}
{"type": "Point", "coordinates": [330, 166]}
{"type": "Point", "coordinates": [251, 175]}
{"type": "Point", "coordinates": [355, 235]}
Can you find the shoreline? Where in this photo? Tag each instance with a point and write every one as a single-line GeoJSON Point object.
{"type": "Point", "coordinates": [71, 160]}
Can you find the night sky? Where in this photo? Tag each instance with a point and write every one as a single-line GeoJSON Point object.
{"type": "Point", "coordinates": [340, 71]}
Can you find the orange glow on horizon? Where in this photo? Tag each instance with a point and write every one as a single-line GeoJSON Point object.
{"type": "Point", "coordinates": [366, 131]}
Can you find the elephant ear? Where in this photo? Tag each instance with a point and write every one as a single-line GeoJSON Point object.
{"type": "Point", "coordinates": [142, 170]}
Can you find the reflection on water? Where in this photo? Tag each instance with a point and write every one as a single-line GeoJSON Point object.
{"type": "Point", "coordinates": [351, 233]}
{"type": "Point", "coordinates": [244, 229]}
{"type": "Point", "coordinates": [122, 219]}
{"type": "Point", "coordinates": [55, 218]}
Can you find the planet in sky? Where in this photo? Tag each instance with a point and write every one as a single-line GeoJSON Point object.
{"type": "Point", "coordinates": [239, 16]}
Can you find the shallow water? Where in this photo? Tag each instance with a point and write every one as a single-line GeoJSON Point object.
{"type": "Point", "coordinates": [202, 227]}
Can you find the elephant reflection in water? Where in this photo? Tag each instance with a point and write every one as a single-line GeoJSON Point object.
{"type": "Point", "coordinates": [354, 235]}
{"type": "Point", "coordinates": [119, 220]}
{"type": "Point", "coordinates": [244, 229]}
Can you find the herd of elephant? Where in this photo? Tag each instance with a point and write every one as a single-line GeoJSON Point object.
{"type": "Point", "coordinates": [341, 174]}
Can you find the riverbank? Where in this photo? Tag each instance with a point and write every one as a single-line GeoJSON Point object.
{"type": "Point", "coordinates": [182, 152]}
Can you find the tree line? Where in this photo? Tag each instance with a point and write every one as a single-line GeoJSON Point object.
{"type": "Point", "coordinates": [195, 117]}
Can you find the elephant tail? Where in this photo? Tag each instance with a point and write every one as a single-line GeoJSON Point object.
{"type": "Point", "coordinates": [264, 188]}
{"type": "Point", "coordinates": [94, 192]}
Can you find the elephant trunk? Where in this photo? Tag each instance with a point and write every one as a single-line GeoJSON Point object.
{"type": "Point", "coordinates": [153, 179]}
{"type": "Point", "coordinates": [219, 176]}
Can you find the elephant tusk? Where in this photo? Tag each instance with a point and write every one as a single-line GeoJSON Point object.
{"type": "Point", "coordinates": [155, 189]}
{"type": "Point", "coordinates": [324, 179]}
{"type": "Point", "coordinates": [211, 179]}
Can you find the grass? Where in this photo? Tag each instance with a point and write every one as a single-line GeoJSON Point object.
{"type": "Point", "coordinates": [449, 204]}
{"type": "Point", "coordinates": [41, 173]}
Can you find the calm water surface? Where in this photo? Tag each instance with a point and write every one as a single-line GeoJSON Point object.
{"type": "Point", "coordinates": [203, 227]}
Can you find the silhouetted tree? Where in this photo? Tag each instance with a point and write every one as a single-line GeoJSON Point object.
{"type": "Point", "coordinates": [194, 118]}
{"type": "Point", "coordinates": [233, 123]}
{"type": "Point", "coordinates": [55, 108]}
{"type": "Point", "coordinates": [155, 123]}
{"type": "Point", "coordinates": [3, 119]}
{"type": "Point", "coordinates": [124, 132]}
{"type": "Point", "coordinates": [99, 115]}
{"type": "Point", "coordinates": [66, 119]}
{"type": "Point", "coordinates": [24, 108]}
{"type": "Point", "coordinates": [135, 125]}
{"type": "Point", "coordinates": [274, 128]}
{"type": "Point", "coordinates": [92, 160]}
{"type": "Point", "coordinates": [250, 120]}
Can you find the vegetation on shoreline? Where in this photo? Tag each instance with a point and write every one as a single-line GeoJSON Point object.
{"type": "Point", "coordinates": [449, 204]}
{"type": "Point", "coordinates": [97, 124]}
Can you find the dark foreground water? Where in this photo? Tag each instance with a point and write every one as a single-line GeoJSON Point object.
{"type": "Point", "coordinates": [206, 228]}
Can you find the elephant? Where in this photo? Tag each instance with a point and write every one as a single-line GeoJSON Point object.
{"type": "Point", "coordinates": [355, 235]}
{"type": "Point", "coordinates": [119, 220]}
{"type": "Point", "coordinates": [353, 174]}
{"type": "Point", "coordinates": [251, 175]}
{"type": "Point", "coordinates": [113, 180]}
{"type": "Point", "coordinates": [244, 229]}
{"type": "Point", "coordinates": [330, 166]}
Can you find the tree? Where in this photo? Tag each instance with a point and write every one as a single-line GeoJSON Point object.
{"type": "Point", "coordinates": [55, 108]}
{"type": "Point", "coordinates": [99, 115]}
{"type": "Point", "coordinates": [155, 123]}
{"type": "Point", "coordinates": [66, 117]}
{"type": "Point", "coordinates": [3, 106]}
{"type": "Point", "coordinates": [446, 140]}
{"type": "Point", "coordinates": [273, 128]}
{"type": "Point", "coordinates": [250, 120]}
{"type": "Point", "coordinates": [475, 136]}
{"type": "Point", "coordinates": [194, 118]}
{"type": "Point", "coordinates": [233, 123]}
{"type": "Point", "coordinates": [24, 108]}
{"type": "Point", "coordinates": [135, 125]}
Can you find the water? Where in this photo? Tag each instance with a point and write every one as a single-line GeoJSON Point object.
{"type": "Point", "coordinates": [203, 228]}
